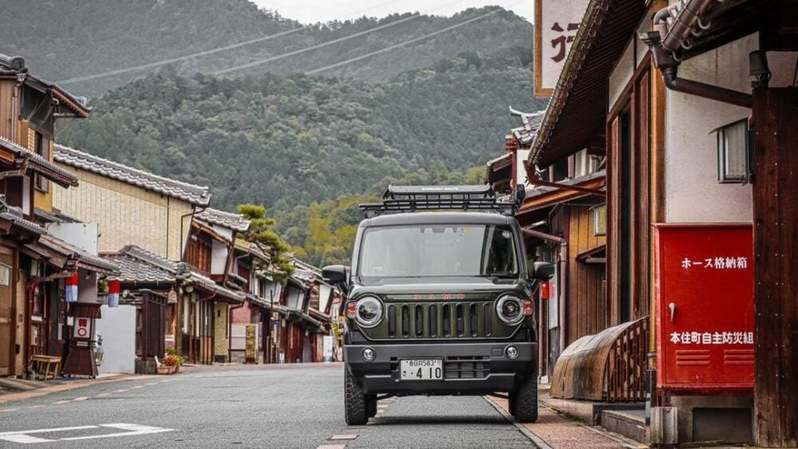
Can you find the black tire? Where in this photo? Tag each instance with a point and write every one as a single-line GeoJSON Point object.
{"type": "Point", "coordinates": [524, 401]}
{"type": "Point", "coordinates": [371, 405]}
{"type": "Point", "coordinates": [355, 412]}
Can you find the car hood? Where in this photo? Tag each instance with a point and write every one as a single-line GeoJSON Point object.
{"type": "Point", "coordinates": [442, 286]}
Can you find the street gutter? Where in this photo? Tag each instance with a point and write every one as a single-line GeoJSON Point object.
{"type": "Point", "coordinates": [534, 438]}
{"type": "Point", "coordinates": [73, 385]}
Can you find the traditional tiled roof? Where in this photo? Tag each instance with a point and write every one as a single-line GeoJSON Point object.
{"type": "Point", "coordinates": [83, 258]}
{"type": "Point", "coordinates": [39, 164]}
{"type": "Point", "coordinates": [15, 217]}
{"type": "Point", "coordinates": [136, 266]}
{"type": "Point", "coordinates": [229, 220]}
{"type": "Point", "coordinates": [525, 134]}
{"type": "Point", "coordinates": [139, 265]}
{"type": "Point", "coordinates": [194, 194]}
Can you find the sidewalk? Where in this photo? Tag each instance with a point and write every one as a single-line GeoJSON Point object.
{"type": "Point", "coordinates": [16, 390]}
{"type": "Point", "coordinates": [556, 431]}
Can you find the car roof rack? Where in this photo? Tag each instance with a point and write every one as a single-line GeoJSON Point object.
{"type": "Point", "coordinates": [400, 199]}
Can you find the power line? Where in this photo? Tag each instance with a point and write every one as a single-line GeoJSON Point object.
{"type": "Point", "coordinates": [317, 46]}
{"type": "Point", "coordinates": [400, 44]}
{"type": "Point", "coordinates": [325, 44]}
{"type": "Point", "coordinates": [211, 51]}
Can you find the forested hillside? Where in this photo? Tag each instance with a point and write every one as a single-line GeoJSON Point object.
{"type": "Point", "coordinates": [72, 39]}
{"type": "Point", "coordinates": [289, 140]}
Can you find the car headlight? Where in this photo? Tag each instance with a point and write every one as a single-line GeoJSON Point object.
{"type": "Point", "coordinates": [369, 311]}
{"type": "Point", "coordinates": [510, 310]}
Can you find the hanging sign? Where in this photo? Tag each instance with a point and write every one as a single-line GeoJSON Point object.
{"type": "Point", "coordinates": [82, 328]}
{"type": "Point", "coordinates": [556, 24]}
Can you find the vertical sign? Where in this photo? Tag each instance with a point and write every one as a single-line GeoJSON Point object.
{"type": "Point", "coordinates": [250, 347]}
{"type": "Point", "coordinates": [556, 23]}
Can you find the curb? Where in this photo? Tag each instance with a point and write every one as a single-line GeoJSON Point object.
{"type": "Point", "coordinates": [14, 397]}
{"type": "Point", "coordinates": [534, 438]}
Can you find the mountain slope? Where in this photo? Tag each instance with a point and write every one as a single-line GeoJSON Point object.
{"type": "Point", "coordinates": [288, 140]}
{"type": "Point", "coordinates": [76, 38]}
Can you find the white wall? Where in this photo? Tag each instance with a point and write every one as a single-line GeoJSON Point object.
{"type": "Point", "coordinates": [218, 257]}
{"type": "Point", "coordinates": [692, 190]}
{"type": "Point", "coordinates": [118, 330]}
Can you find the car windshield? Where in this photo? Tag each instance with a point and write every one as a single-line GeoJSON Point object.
{"type": "Point", "coordinates": [438, 250]}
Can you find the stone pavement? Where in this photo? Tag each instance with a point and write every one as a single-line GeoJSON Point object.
{"type": "Point", "coordinates": [553, 430]}
{"type": "Point", "coordinates": [15, 390]}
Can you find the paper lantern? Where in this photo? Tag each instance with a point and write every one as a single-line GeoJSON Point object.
{"type": "Point", "coordinates": [72, 283]}
{"type": "Point", "coordinates": [114, 287]}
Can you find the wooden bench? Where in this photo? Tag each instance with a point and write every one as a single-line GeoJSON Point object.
{"type": "Point", "coordinates": [46, 362]}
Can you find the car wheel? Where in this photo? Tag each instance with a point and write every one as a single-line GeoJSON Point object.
{"type": "Point", "coordinates": [354, 401]}
{"type": "Point", "coordinates": [371, 402]}
{"type": "Point", "coordinates": [524, 401]}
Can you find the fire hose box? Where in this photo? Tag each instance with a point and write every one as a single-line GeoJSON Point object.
{"type": "Point", "coordinates": [704, 311]}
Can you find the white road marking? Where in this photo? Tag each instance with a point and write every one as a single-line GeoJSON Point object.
{"type": "Point", "coordinates": [136, 387]}
{"type": "Point", "coordinates": [102, 395]}
{"type": "Point", "coordinates": [151, 384]}
{"type": "Point", "coordinates": [350, 436]}
{"type": "Point", "coordinates": [82, 398]}
{"type": "Point", "coordinates": [25, 437]}
{"type": "Point", "coordinates": [121, 391]}
{"type": "Point", "coordinates": [7, 410]}
{"type": "Point", "coordinates": [60, 402]}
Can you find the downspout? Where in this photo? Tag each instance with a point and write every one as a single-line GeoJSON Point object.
{"type": "Point", "coordinates": [668, 64]}
{"type": "Point", "coordinates": [193, 212]}
{"type": "Point", "coordinates": [562, 264]}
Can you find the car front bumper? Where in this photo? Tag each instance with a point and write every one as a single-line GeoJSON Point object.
{"type": "Point", "coordinates": [469, 368]}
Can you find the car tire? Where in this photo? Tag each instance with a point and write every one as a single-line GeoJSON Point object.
{"type": "Point", "coordinates": [524, 401]}
{"type": "Point", "coordinates": [371, 405]}
{"type": "Point", "coordinates": [355, 412]}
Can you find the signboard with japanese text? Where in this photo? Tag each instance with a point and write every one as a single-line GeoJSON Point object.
{"type": "Point", "coordinates": [556, 23]}
{"type": "Point", "coordinates": [705, 306]}
{"type": "Point", "coordinates": [82, 328]}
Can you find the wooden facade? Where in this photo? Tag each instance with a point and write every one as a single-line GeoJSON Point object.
{"type": "Point", "coordinates": [776, 249]}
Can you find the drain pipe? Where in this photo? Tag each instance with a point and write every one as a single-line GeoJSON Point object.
{"type": "Point", "coordinates": [667, 63]}
{"type": "Point", "coordinates": [562, 264]}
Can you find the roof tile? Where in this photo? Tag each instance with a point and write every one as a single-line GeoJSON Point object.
{"type": "Point", "coordinates": [194, 194]}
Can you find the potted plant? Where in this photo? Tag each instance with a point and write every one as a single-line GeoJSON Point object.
{"type": "Point", "coordinates": [171, 363]}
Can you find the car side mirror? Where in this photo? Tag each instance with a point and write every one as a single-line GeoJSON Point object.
{"type": "Point", "coordinates": [542, 271]}
{"type": "Point", "coordinates": [335, 274]}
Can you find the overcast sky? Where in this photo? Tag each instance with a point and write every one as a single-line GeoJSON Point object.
{"type": "Point", "coordinates": [311, 11]}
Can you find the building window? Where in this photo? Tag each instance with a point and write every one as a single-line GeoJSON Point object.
{"type": "Point", "coordinates": [5, 275]}
{"type": "Point", "coordinates": [41, 146]}
{"type": "Point", "coordinates": [598, 217]}
{"type": "Point", "coordinates": [733, 149]}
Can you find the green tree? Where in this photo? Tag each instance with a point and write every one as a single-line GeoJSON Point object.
{"type": "Point", "coordinates": [260, 231]}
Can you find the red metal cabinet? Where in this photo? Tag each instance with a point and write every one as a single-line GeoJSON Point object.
{"type": "Point", "coordinates": [705, 313]}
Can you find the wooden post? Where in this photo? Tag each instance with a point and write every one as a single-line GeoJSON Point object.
{"type": "Point", "coordinates": [775, 196]}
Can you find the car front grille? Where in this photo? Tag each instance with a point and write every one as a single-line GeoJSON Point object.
{"type": "Point", "coordinates": [476, 367]}
{"type": "Point", "coordinates": [440, 320]}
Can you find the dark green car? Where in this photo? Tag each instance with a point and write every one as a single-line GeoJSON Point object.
{"type": "Point", "coordinates": [438, 302]}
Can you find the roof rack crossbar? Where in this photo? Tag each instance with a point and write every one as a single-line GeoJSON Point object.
{"type": "Point", "coordinates": [398, 199]}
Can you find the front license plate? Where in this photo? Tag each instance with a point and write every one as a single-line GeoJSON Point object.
{"type": "Point", "coordinates": [423, 369]}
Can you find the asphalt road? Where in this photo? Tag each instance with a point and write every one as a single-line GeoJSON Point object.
{"type": "Point", "coordinates": [263, 407]}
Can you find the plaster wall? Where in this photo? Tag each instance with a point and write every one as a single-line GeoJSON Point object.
{"type": "Point", "coordinates": [692, 192]}
{"type": "Point", "coordinates": [125, 214]}
{"type": "Point", "coordinates": [118, 330]}
{"type": "Point", "coordinates": [218, 257]}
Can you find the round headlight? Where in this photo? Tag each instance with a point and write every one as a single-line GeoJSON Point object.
{"type": "Point", "coordinates": [510, 310]}
{"type": "Point", "coordinates": [369, 311]}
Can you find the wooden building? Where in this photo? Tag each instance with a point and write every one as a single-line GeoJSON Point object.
{"type": "Point", "coordinates": [35, 257]}
{"type": "Point", "coordinates": [671, 92]}
{"type": "Point", "coordinates": [131, 207]}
